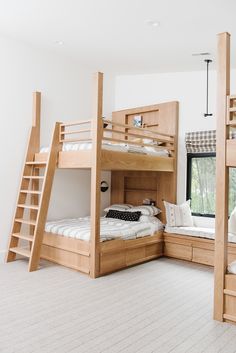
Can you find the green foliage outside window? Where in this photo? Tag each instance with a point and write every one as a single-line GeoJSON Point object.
{"type": "Point", "coordinates": [203, 186]}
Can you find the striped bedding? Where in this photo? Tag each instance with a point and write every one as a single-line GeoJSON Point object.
{"type": "Point", "coordinates": [79, 228]}
{"type": "Point", "coordinates": [112, 147]}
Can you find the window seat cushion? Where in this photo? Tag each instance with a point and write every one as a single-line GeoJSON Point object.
{"type": "Point", "coordinates": [199, 232]}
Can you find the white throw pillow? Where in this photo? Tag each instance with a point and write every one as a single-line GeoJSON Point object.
{"type": "Point", "coordinates": [232, 222]}
{"type": "Point", "coordinates": [118, 207]}
{"type": "Point", "coordinates": [232, 267]}
{"type": "Point", "coordinates": [146, 210]}
{"type": "Point", "coordinates": [178, 215]}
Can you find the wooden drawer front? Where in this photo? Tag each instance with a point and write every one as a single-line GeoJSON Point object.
{"type": "Point", "coordinates": [178, 250]}
{"type": "Point", "coordinates": [203, 256]}
{"type": "Point", "coordinates": [154, 249]}
{"type": "Point", "coordinates": [135, 255]}
{"type": "Point", "coordinates": [112, 261]}
{"type": "Point", "coordinates": [230, 306]}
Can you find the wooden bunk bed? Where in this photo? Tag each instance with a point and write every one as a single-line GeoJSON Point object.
{"type": "Point", "coordinates": [134, 176]}
{"type": "Point", "coordinates": [225, 283]}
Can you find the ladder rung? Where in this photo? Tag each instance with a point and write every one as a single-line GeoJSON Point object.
{"type": "Point", "coordinates": [23, 236]}
{"type": "Point", "coordinates": [33, 177]}
{"type": "Point", "coordinates": [30, 207]}
{"type": "Point", "coordinates": [232, 109]}
{"type": "Point", "coordinates": [30, 192]}
{"type": "Point", "coordinates": [21, 251]}
{"type": "Point", "coordinates": [233, 97]}
{"type": "Point", "coordinates": [24, 221]}
{"type": "Point", "coordinates": [36, 163]}
{"type": "Point", "coordinates": [229, 317]}
{"type": "Point", "coordinates": [232, 123]}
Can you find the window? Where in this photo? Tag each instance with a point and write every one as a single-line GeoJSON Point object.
{"type": "Point", "coordinates": [201, 180]}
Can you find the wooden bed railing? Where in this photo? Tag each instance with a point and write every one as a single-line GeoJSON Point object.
{"type": "Point", "coordinates": [113, 132]}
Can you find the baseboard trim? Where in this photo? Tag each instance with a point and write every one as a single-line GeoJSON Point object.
{"type": "Point", "coordinates": [2, 256]}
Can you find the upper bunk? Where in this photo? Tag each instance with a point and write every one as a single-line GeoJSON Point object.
{"type": "Point", "coordinates": [138, 139]}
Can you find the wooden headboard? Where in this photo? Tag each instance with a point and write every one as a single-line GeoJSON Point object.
{"type": "Point", "coordinates": [134, 186]}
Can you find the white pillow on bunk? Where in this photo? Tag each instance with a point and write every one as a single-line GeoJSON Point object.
{"type": "Point", "coordinates": [178, 215]}
{"type": "Point", "coordinates": [118, 207]}
{"type": "Point", "coordinates": [232, 222]}
{"type": "Point", "coordinates": [150, 219]}
{"type": "Point", "coordinates": [232, 267]}
{"type": "Point", "coordinates": [146, 210]}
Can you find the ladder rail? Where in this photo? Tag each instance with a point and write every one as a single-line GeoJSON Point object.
{"type": "Point", "coordinates": [45, 198]}
{"type": "Point", "coordinates": [30, 153]}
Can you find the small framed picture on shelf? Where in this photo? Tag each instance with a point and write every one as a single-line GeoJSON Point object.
{"type": "Point", "coordinates": [138, 121]}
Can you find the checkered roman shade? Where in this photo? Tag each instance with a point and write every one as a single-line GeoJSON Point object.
{"type": "Point", "coordinates": [201, 141]}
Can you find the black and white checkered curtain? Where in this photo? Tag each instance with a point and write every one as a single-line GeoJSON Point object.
{"type": "Point", "coordinates": [201, 141]}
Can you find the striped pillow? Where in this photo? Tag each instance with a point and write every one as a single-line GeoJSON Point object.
{"type": "Point", "coordinates": [178, 215]}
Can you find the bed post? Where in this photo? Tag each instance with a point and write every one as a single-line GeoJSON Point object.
{"type": "Point", "coordinates": [222, 174]}
{"type": "Point", "coordinates": [97, 130]}
{"type": "Point", "coordinates": [36, 118]}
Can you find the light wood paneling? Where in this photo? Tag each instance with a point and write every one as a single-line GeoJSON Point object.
{"type": "Point", "coordinates": [231, 153]}
{"type": "Point", "coordinates": [222, 173]}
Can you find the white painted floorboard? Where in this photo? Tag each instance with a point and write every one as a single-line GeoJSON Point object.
{"type": "Point", "coordinates": [162, 306]}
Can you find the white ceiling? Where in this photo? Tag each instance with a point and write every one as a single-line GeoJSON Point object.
{"type": "Point", "coordinates": [112, 35]}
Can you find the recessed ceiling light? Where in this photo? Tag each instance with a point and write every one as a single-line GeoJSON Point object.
{"type": "Point", "coordinates": [153, 23]}
{"type": "Point", "coordinates": [59, 42]}
{"type": "Point", "coordinates": [201, 54]}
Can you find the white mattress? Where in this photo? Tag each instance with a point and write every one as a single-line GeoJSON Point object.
{"type": "Point", "coordinates": [112, 147]}
{"type": "Point", "coordinates": [79, 228]}
{"type": "Point", "coordinates": [199, 232]}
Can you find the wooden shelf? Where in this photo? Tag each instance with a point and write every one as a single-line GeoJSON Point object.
{"type": "Point", "coordinates": [141, 190]}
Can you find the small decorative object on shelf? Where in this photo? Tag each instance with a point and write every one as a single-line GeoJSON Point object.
{"type": "Point", "coordinates": [138, 121]}
{"type": "Point", "coordinates": [149, 202]}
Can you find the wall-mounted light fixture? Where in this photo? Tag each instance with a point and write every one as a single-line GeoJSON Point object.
{"type": "Point", "coordinates": [207, 114]}
{"type": "Point", "coordinates": [104, 186]}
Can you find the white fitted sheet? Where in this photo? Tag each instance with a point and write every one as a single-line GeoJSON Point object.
{"type": "Point", "coordinates": [199, 232]}
{"type": "Point", "coordinates": [110, 228]}
{"type": "Point", "coordinates": [149, 150]}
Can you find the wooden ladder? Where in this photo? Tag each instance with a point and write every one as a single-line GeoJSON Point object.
{"type": "Point", "coordinates": [29, 220]}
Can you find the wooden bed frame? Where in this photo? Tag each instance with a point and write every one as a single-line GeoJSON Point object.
{"type": "Point", "coordinates": [134, 177]}
{"type": "Point", "coordinates": [225, 284]}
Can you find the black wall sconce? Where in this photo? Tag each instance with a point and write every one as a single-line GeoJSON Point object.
{"type": "Point", "coordinates": [104, 186]}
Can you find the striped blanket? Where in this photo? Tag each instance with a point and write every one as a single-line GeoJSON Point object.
{"type": "Point", "coordinates": [110, 228]}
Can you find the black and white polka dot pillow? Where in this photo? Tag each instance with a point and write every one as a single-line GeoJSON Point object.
{"type": "Point", "coordinates": [124, 215]}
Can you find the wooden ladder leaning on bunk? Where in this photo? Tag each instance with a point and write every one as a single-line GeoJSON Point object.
{"type": "Point", "coordinates": [35, 187]}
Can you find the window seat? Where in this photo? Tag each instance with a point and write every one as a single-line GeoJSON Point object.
{"type": "Point", "coordinates": [194, 244]}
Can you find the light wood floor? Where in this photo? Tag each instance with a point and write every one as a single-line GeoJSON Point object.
{"type": "Point", "coordinates": [161, 306]}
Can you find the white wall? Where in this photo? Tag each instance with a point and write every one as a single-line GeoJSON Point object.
{"type": "Point", "coordinates": [66, 95]}
{"type": "Point", "coordinates": [189, 88]}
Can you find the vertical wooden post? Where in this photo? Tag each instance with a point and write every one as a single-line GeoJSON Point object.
{"type": "Point", "coordinates": [222, 174]}
{"type": "Point", "coordinates": [36, 123]}
{"type": "Point", "coordinates": [97, 131]}
{"type": "Point", "coordinates": [36, 117]}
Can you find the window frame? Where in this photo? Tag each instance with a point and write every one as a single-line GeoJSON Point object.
{"type": "Point", "coordinates": [190, 157]}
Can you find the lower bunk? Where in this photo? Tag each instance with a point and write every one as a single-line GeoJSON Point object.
{"type": "Point", "coordinates": [114, 254]}
{"type": "Point", "coordinates": [193, 248]}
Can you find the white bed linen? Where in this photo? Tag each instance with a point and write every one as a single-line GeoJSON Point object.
{"type": "Point", "coordinates": [198, 232]}
{"type": "Point", "coordinates": [111, 147]}
{"type": "Point", "coordinates": [79, 228]}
